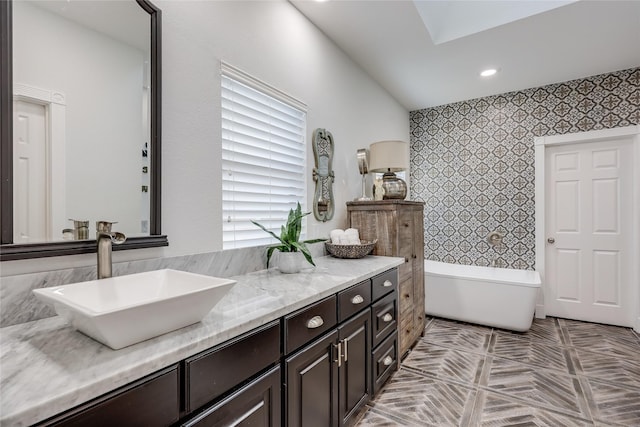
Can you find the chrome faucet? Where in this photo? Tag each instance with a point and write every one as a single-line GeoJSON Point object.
{"type": "Point", "coordinates": [105, 238]}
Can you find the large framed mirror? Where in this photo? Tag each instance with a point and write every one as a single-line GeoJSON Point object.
{"type": "Point", "coordinates": [80, 124]}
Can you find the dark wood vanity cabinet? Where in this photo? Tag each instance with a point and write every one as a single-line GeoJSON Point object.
{"type": "Point", "coordinates": [331, 378]}
{"type": "Point", "coordinates": [318, 366]}
{"type": "Point", "coordinates": [328, 381]}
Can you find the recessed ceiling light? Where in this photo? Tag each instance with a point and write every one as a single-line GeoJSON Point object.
{"type": "Point", "coordinates": [488, 72]}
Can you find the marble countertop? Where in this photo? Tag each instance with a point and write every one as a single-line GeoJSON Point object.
{"type": "Point", "coordinates": [46, 367]}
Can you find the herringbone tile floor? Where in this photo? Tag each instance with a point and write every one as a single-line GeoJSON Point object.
{"type": "Point", "coordinates": [559, 373]}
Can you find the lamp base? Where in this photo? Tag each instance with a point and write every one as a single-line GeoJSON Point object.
{"type": "Point", "coordinates": [394, 187]}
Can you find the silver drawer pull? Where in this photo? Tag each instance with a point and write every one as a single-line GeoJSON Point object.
{"type": "Point", "coordinates": [387, 283]}
{"type": "Point", "coordinates": [357, 300]}
{"type": "Point", "coordinates": [315, 322]}
{"type": "Point", "coordinates": [387, 361]}
{"type": "Point", "coordinates": [387, 317]}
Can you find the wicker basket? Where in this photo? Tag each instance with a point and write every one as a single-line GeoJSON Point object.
{"type": "Point", "coordinates": [350, 251]}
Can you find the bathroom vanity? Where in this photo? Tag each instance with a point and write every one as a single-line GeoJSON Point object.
{"type": "Point", "coordinates": [299, 349]}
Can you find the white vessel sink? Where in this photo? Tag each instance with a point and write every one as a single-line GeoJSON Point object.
{"type": "Point", "coordinates": [124, 310]}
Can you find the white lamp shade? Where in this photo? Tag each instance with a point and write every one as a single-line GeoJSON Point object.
{"type": "Point", "coordinates": [388, 156]}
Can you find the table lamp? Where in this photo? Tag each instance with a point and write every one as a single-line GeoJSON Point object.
{"type": "Point", "coordinates": [388, 157]}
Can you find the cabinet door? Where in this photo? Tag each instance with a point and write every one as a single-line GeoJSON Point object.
{"type": "Point", "coordinates": [311, 382]}
{"type": "Point", "coordinates": [354, 373]}
{"type": "Point", "coordinates": [257, 405]}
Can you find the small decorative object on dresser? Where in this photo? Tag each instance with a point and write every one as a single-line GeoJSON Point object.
{"type": "Point", "coordinates": [399, 229]}
{"type": "Point", "coordinates": [350, 251]}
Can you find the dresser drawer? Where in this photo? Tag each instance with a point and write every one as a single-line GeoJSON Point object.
{"type": "Point", "coordinates": [354, 299]}
{"type": "Point", "coordinates": [383, 318]}
{"type": "Point", "coordinates": [405, 297]}
{"type": "Point", "coordinates": [406, 333]}
{"type": "Point", "coordinates": [385, 361]}
{"type": "Point", "coordinates": [216, 371]}
{"type": "Point", "coordinates": [384, 283]}
{"type": "Point", "coordinates": [309, 323]}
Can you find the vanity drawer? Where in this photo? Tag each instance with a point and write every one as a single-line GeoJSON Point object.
{"type": "Point", "coordinates": [216, 371]}
{"type": "Point", "coordinates": [354, 299]}
{"type": "Point", "coordinates": [385, 361]}
{"type": "Point", "coordinates": [384, 283]}
{"type": "Point", "coordinates": [151, 401]}
{"type": "Point", "coordinates": [255, 404]}
{"type": "Point", "coordinates": [384, 318]}
{"type": "Point", "coordinates": [310, 322]}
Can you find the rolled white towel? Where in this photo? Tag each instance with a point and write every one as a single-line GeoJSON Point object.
{"type": "Point", "coordinates": [336, 236]}
{"type": "Point", "coordinates": [353, 237]}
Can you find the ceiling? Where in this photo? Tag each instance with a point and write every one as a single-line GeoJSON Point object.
{"type": "Point", "coordinates": [532, 43]}
{"type": "Point", "coordinates": [124, 21]}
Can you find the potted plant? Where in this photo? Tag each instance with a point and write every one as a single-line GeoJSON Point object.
{"type": "Point", "coordinates": [290, 247]}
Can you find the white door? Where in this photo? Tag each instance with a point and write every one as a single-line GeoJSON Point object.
{"type": "Point", "coordinates": [29, 172]}
{"type": "Point", "coordinates": [588, 217]}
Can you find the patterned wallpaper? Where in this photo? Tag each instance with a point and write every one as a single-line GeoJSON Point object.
{"type": "Point", "coordinates": [472, 162]}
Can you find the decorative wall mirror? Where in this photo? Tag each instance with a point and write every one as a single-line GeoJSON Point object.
{"type": "Point", "coordinates": [323, 204]}
{"type": "Point", "coordinates": [80, 124]}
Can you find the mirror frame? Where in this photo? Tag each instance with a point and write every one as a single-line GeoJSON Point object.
{"type": "Point", "coordinates": [10, 251]}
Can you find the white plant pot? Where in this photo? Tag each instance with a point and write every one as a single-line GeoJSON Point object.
{"type": "Point", "coordinates": [290, 262]}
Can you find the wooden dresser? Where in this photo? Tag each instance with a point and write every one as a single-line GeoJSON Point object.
{"type": "Point", "coordinates": [398, 226]}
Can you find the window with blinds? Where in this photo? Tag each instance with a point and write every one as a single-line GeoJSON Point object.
{"type": "Point", "coordinates": [263, 158]}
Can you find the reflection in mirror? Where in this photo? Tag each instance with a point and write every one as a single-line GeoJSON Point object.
{"type": "Point", "coordinates": [89, 85]}
{"type": "Point", "coordinates": [323, 204]}
{"type": "Point", "coordinates": [85, 134]}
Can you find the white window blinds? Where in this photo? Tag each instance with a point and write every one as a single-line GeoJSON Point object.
{"type": "Point", "coordinates": [263, 159]}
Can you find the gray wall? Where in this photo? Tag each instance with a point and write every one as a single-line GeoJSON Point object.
{"type": "Point", "coordinates": [472, 162]}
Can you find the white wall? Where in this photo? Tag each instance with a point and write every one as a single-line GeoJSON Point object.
{"type": "Point", "coordinates": [272, 41]}
{"type": "Point", "coordinates": [102, 80]}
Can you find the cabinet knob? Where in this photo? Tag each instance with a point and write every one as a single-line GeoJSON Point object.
{"type": "Point", "coordinates": [387, 361]}
{"type": "Point", "coordinates": [387, 283]}
{"type": "Point", "coordinates": [387, 318]}
{"type": "Point", "coordinates": [357, 300]}
{"type": "Point", "coordinates": [315, 322]}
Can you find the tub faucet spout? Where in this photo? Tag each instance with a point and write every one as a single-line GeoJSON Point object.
{"type": "Point", "coordinates": [105, 238]}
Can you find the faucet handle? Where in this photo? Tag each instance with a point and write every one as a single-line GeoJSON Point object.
{"type": "Point", "coordinates": [118, 238]}
{"type": "Point", "coordinates": [104, 226]}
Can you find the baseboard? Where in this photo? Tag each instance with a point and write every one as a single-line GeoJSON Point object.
{"type": "Point", "coordinates": [540, 313]}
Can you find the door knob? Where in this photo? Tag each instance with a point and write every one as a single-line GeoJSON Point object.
{"type": "Point", "coordinates": [551, 240]}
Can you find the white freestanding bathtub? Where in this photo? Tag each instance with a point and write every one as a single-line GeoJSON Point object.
{"type": "Point", "coordinates": [499, 297]}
